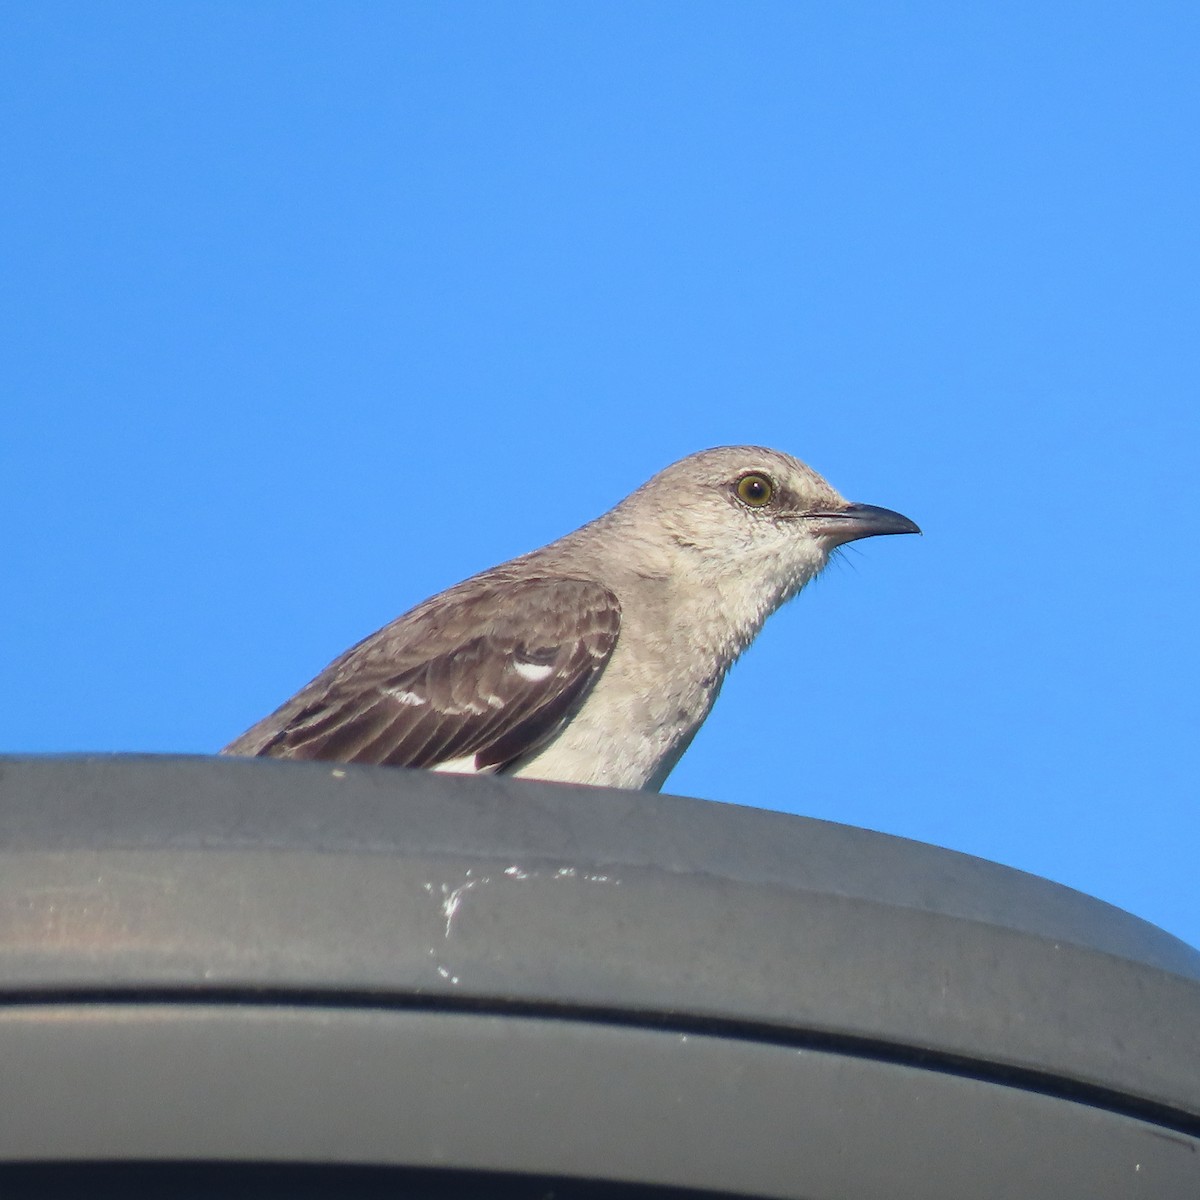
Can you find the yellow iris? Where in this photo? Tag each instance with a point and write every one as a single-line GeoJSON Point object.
{"type": "Point", "coordinates": [755, 490]}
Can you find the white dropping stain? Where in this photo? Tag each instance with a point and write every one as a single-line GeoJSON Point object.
{"type": "Point", "coordinates": [338, 774]}
{"type": "Point", "coordinates": [445, 974]}
{"type": "Point", "coordinates": [515, 872]}
{"type": "Point", "coordinates": [454, 899]}
{"type": "Point", "coordinates": [534, 672]}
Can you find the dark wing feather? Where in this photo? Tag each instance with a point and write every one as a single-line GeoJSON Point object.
{"type": "Point", "coordinates": [491, 668]}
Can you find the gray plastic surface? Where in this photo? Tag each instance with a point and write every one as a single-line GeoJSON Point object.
{"type": "Point", "coordinates": [206, 959]}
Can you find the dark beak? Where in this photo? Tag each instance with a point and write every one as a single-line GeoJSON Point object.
{"type": "Point", "coordinates": [859, 521]}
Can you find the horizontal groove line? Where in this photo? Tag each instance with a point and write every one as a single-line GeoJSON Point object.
{"type": "Point", "coordinates": [853, 1045]}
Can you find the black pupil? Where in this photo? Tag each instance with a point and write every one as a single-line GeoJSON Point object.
{"type": "Point", "coordinates": [754, 489]}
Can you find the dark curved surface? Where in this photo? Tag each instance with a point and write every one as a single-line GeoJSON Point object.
{"type": "Point", "coordinates": [371, 966]}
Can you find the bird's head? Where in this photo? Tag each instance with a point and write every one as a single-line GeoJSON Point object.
{"type": "Point", "coordinates": [752, 512]}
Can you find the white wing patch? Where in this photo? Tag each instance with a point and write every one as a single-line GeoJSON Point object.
{"type": "Point", "coordinates": [534, 672]}
{"type": "Point", "coordinates": [404, 697]}
{"type": "Point", "coordinates": [463, 766]}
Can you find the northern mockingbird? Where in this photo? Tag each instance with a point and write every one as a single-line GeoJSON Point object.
{"type": "Point", "coordinates": [596, 658]}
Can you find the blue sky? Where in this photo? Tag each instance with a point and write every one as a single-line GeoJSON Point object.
{"type": "Point", "coordinates": [310, 310]}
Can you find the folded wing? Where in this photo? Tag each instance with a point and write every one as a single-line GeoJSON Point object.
{"type": "Point", "coordinates": [477, 677]}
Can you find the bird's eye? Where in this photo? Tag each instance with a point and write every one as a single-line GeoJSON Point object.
{"type": "Point", "coordinates": [754, 490]}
